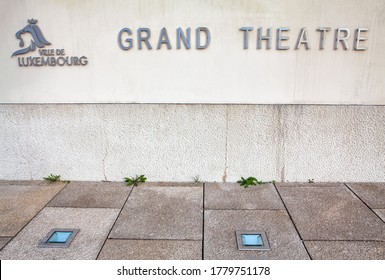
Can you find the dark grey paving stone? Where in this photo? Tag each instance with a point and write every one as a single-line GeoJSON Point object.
{"type": "Point", "coordinates": [119, 249]}
{"type": "Point", "coordinates": [372, 194]}
{"type": "Point", "coordinates": [346, 250]}
{"type": "Point", "coordinates": [333, 213]}
{"type": "Point", "coordinates": [4, 241]}
{"type": "Point", "coordinates": [220, 238]}
{"type": "Point", "coordinates": [233, 196]}
{"type": "Point", "coordinates": [92, 195]}
{"type": "Point", "coordinates": [20, 203]}
{"type": "Point", "coordinates": [161, 213]}
{"type": "Point", "coordinates": [380, 213]}
{"type": "Point", "coordinates": [306, 184]}
{"type": "Point", "coordinates": [94, 225]}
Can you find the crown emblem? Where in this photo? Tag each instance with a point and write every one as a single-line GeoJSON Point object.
{"type": "Point", "coordinates": [32, 21]}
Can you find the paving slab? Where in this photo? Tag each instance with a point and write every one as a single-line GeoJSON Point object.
{"type": "Point", "coordinates": [307, 184]}
{"type": "Point", "coordinates": [380, 213]}
{"type": "Point", "coordinates": [4, 241]}
{"type": "Point", "coordinates": [171, 184]}
{"type": "Point", "coordinates": [233, 196]}
{"type": "Point", "coordinates": [92, 195]}
{"type": "Point", "coordinates": [94, 225]}
{"type": "Point", "coordinates": [118, 249]}
{"type": "Point", "coordinates": [346, 250]}
{"type": "Point", "coordinates": [332, 213]}
{"type": "Point", "coordinates": [161, 213]}
{"type": "Point", "coordinates": [372, 194]}
{"type": "Point", "coordinates": [27, 183]}
{"type": "Point", "coordinates": [19, 203]}
{"type": "Point", "coordinates": [220, 239]}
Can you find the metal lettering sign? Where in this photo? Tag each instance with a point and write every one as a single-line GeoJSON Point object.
{"type": "Point", "coordinates": [143, 34]}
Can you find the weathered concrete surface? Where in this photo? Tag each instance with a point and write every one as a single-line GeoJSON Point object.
{"type": "Point", "coordinates": [92, 195]}
{"type": "Point", "coordinates": [161, 213]}
{"type": "Point", "coordinates": [380, 213]}
{"type": "Point", "coordinates": [94, 225]}
{"type": "Point", "coordinates": [151, 250]}
{"type": "Point", "coordinates": [4, 241]}
{"type": "Point", "coordinates": [346, 250]}
{"type": "Point", "coordinates": [109, 142]}
{"type": "Point", "coordinates": [177, 142]}
{"type": "Point", "coordinates": [220, 241]}
{"type": "Point", "coordinates": [332, 213]}
{"type": "Point", "coordinates": [19, 203]}
{"type": "Point", "coordinates": [233, 196]}
{"type": "Point", "coordinates": [372, 194]}
{"type": "Point", "coordinates": [253, 143]}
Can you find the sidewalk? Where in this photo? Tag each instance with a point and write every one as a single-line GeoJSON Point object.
{"type": "Point", "coordinates": [193, 220]}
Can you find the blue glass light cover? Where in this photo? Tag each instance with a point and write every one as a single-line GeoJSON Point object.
{"type": "Point", "coordinates": [252, 240]}
{"type": "Point", "coordinates": [60, 237]}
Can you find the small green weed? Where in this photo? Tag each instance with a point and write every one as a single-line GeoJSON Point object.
{"type": "Point", "coordinates": [135, 181]}
{"type": "Point", "coordinates": [196, 179]}
{"type": "Point", "coordinates": [52, 178]}
{"type": "Point", "coordinates": [252, 181]}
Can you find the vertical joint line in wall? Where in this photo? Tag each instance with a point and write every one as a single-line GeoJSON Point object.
{"type": "Point", "coordinates": [224, 177]}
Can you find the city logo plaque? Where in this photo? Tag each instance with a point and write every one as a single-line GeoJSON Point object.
{"type": "Point", "coordinates": [48, 57]}
{"type": "Point", "coordinates": [38, 38]}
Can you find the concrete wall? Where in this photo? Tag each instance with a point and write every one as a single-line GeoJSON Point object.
{"type": "Point", "coordinates": [177, 142]}
{"type": "Point", "coordinates": [222, 73]}
{"type": "Point", "coordinates": [85, 126]}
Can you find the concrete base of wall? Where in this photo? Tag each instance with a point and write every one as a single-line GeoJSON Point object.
{"type": "Point", "coordinates": [178, 142]}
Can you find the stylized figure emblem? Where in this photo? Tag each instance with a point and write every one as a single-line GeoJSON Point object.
{"type": "Point", "coordinates": [38, 38]}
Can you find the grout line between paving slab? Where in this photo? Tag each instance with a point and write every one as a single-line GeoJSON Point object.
{"type": "Point", "coordinates": [296, 229]}
{"type": "Point", "coordinates": [315, 185]}
{"type": "Point", "coordinates": [12, 237]}
{"type": "Point", "coordinates": [346, 185]}
{"type": "Point", "coordinates": [256, 209]}
{"type": "Point", "coordinates": [342, 240]}
{"type": "Point", "coordinates": [117, 217]}
{"type": "Point", "coordinates": [50, 206]}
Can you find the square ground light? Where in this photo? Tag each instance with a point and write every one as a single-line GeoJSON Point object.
{"type": "Point", "coordinates": [331, 213]}
{"type": "Point", "coordinates": [220, 238]}
{"type": "Point", "coordinates": [94, 225]}
{"type": "Point", "coordinates": [372, 194]}
{"type": "Point", "coordinates": [92, 195]}
{"type": "Point", "coordinates": [346, 250]}
{"type": "Point", "coordinates": [233, 196]}
{"type": "Point", "coordinates": [161, 213]}
{"type": "Point", "coordinates": [151, 250]}
{"type": "Point", "coordinates": [19, 203]}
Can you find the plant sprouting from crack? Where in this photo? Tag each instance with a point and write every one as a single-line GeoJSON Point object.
{"type": "Point", "coordinates": [52, 178]}
{"type": "Point", "coordinates": [252, 181]}
{"type": "Point", "coordinates": [135, 181]}
{"type": "Point", "coordinates": [196, 179]}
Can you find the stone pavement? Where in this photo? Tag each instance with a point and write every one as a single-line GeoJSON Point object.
{"type": "Point", "coordinates": [193, 220]}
